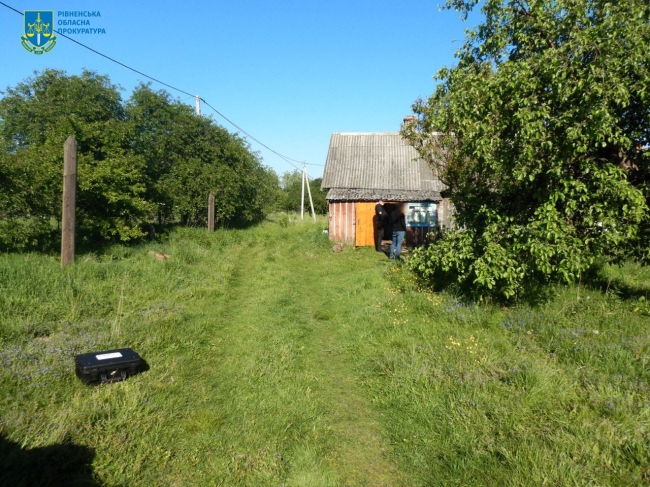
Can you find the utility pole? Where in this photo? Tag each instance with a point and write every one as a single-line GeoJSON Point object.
{"type": "Point", "coordinates": [311, 202]}
{"type": "Point", "coordinates": [198, 105]}
{"type": "Point", "coordinates": [302, 195]}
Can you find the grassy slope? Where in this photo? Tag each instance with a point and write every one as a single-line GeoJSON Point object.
{"type": "Point", "coordinates": [277, 362]}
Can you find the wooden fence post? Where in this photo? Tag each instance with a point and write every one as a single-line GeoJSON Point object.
{"type": "Point", "coordinates": [69, 198]}
{"type": "Point", "coordinates": [211, 212]}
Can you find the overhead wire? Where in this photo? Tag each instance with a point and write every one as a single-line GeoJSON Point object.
{"type": "Point", "coordinates": [281, 156]}
{"type": "Point", "coordinates": [107, 57]}
{"type": "Point", "coordinates": [286, 159]}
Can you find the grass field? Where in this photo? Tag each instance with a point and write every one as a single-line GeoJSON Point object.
{"type": "Point", "coordinates": [274, 361]}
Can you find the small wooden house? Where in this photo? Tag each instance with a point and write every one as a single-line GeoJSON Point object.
{"type": "Point", "coordinates": [362, 168]}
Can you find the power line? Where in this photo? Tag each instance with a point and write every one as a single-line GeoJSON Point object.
{"type": "Point", "coordinates": [283, 157]}
{"type": "Point", "coordinates": [107, 57]}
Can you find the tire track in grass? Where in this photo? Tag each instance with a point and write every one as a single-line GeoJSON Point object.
{"type": "Point", "coordinates": [362, 451]}
{"type": "Point", "coordinates": [257, 424]}
{"type": "Point", "coordinates": [285, 411]}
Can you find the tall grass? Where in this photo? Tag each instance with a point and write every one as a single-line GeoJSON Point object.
{"type": "Point", "coordinates": [274, 361]}
{"type": "Point", "coordinates": [554, 394]}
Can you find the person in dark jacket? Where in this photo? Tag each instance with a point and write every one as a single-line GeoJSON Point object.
{"type": "Point", "coordinates": [398, 227]}
{"type": "Point", "coordinates": [382, 222]}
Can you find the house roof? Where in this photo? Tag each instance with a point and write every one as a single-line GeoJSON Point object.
{"type": "Point", "coordinates": [345, 194]}
{"type": "Point", "coordinates": [377, 165]}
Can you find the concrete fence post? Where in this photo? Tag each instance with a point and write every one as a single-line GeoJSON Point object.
{"type": "Point", "coordinates": [211, 212]}
{"type": "Point", "coordinates": [69, 201]}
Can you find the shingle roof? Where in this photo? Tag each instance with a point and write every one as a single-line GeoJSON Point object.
{"type": "Point", "coordinates": [377, 164]}
{"type": "Point", "coordinates": [352, 194]}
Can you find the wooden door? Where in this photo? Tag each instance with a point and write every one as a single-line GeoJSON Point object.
{"type": "Point", "coordinates": [365, 225]}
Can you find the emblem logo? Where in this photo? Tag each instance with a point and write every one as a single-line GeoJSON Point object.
{"type": "Point", "coordinates": [39, 31]}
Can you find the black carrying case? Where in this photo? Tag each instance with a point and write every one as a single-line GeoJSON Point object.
{"type": "Point", "coordinates": [107, 366]}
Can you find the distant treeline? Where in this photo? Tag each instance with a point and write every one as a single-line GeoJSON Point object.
{"type": "Point", "coordinates": [147, 159]}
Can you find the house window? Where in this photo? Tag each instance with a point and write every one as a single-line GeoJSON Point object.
{"type": "Point", "coordinates": [422, 214]}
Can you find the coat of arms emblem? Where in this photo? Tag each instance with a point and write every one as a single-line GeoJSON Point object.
{"type": "Point", "coordinates": [39, 31]}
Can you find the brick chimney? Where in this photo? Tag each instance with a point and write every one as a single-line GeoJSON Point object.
{"type": "Point", "coordinates": [409, 120]}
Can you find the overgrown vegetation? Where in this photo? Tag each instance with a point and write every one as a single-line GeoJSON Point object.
{"type": "Point", "coordinates": [274, 361]}
{"type": "Point", "coordinates": [544, 128]}
{"type": "Point", "coordinates": [141, 160]}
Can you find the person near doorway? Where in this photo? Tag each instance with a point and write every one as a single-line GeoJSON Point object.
{"type": "Point", "coordinates": [382, 222]}
{"type": "Point", "coordinates": [398, 227]}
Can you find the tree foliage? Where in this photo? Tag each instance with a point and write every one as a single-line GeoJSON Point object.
{"type": "Point", "coordinates": [188, 156]}
{"type": "Point", "coordinates": [291, 183]}
{"type": "Point", "coordinates": [139, 160]}
{"type": "Point", "coordinates": [541, 133]}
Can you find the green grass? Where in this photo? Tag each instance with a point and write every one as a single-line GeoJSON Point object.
{"type": "Point", "coordinates": [274, 361]}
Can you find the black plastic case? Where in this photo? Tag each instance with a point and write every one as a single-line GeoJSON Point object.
{"type": "Point", "coordinates": [107, 366]}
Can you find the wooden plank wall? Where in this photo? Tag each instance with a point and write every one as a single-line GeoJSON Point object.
{"type": "Point", "coordinates": [342, 221]}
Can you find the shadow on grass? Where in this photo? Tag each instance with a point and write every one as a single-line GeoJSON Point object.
{"type": "Point", "coordinates": [533, 293]}
{"type": "Point", "coordinates": [539, 292]}
{"type": "Point", "coordinates": [87, 243]}
{"type": "Point", "coordinates": [49, 466]}
{"type": "Point", "coordinates": [151, 233]}
{"type": "Point", "coordinates": [597, 278]}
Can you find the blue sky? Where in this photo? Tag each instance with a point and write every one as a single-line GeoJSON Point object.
{"type": "Point", "coordinates": [288, 72]}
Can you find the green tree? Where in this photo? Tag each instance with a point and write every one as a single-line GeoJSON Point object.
{"type": "Point", "coordinates": [188, 156]}
{"type": "Point", "coordinates": [321, 206]}
{"type": "Point", "coordinates": [541, 134]}
{"type": "Point", "coordinates": [146, 158]}
{"type": "Point", "coordinates": [291, 184]}
{"type": "Point", "coordinates": [37, 116]}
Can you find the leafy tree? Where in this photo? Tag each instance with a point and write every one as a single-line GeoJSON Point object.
{"type": "Point", "coordinates": [290, 179]}
{"type": "Point", "coordinates": [321, 207]}
{"type": "Point", "coordinates": [37, 117]}
{"type": "Point", "coordinates": [189, 156]}
{"type": "Point", "coordinates": [149, 157]}
{"type": "Point", "coordinates": [292, 188]}
{"type": "Point", "coordinates": [541, 133]}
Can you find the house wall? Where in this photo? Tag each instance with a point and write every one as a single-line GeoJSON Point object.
{"type": "Point", "coordinates": [416, 236]}
{"type": "Point", "coordinates": [342, 218]}
{"type": "Point", "coordinates": [445, 213]}
{"type": "Point", "coordinates": [421, 220]}
{"type": "Point", "coordinates": [343, 223]}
